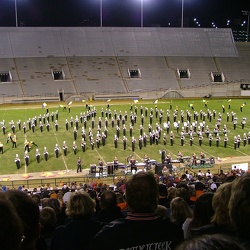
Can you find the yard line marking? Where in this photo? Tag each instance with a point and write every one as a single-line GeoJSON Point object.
{"type": "Point", "coordinates": [65, 164]}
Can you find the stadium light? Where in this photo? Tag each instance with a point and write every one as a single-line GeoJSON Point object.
{"type": "Point", "coordinates": [247, 13]}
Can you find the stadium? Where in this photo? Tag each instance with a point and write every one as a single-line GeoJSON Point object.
{"type": "Point", "coordinates": [66, 70]}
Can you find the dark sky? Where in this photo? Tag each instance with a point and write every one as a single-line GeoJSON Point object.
{"type": "Point", "coordinates": [121, 13]}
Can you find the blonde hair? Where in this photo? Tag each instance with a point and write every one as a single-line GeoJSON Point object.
{"type": "Point", "coordinates": [220, 204]}
{"type": "Point", "coordinates": [180, 210]}
{"type": "Point", "coordinates": [80, 204]}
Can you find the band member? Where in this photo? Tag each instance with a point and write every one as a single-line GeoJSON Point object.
{"type": "Point", "coordinates": [67, 124]}
{"type": "Point", "coordinates": [182, 139]}
{"type": "Point", "coordinates": [235, 142]}
{"type": "Point", "coordinates": [65, 148]}
{"type": "Point", "coordinates": [75, 133]}
{"type": "Point", "coordinates": [79, 165]}
{"type": "Point", "coordinates": [74, 147]}
{"type": "Point", "coordinates": [14, 141]}
{"type": "Point", "coordinates": [41, 126]}
{"type": "Point", "coordinates": [194, 162]}
{"type": "Point", "coordinates": [37, 156]}
{"type": "Point", "coordinates": [116, 163]}
{"type": "Point", "coordinates": [9, 138]}
{"type": "Point", "coordinates": [191, 139]}
{"type": "Point", "coordinates": [124, 140]}
{"type": "Point", "coordinates": [133, 143]}
{"type": "Point", "coordinates": [92, 143]}
{"type": "Point", "coordinates": [4, 128]}
{"type": "Point", "coordinates": [217, 140]}
{"type": "Point", "coordinates": [100, 164]}
{"type": "Point", "coordinates": [244, 139]}
{"type": "Point", "coordinates": [103, 139]}
{"type": "Point", "coordinates": [47, 126]}
{"type": "Point", "coordinates": [26, 158]}
{"type": "Point", "coordinates": [180, 156]}
{"type": "Point", "coordinates": [24, 128]}
{"type": "Point", "coordinates": [132, 165]}
{"type": "Point", "coordinates": [202, 158]}
{"type": "Point", "coordinates": [116, 141]}
{"type": "Point", "coordinates": [200, 139]}
{"type": "Point", "coordinates": [83, 145]}
{"type": "Point", "coordinates": [33, 127]}
{"type": "Point", "coordinates": [210, 139]}
{"type": "Point", "coordinates": [163, 156]}
{"type": "Point", "coordinates": [1, 147]}
{"type": "Point", "coordinates": [140, 142]}
{"type": "Point", "coordinates": [56, 150]}
{"type": "Point", "coordinates": [56, 125]}
{"type": "Point", "coordinates": [238, 141]}
{"type": "Point", "coordinates": [17, 161]}
{"type": "Point", "coordinates": [225, 141]}
{"type": "Point", "coordinates": [164, 139]}
{"type": "Point", "coordinates": [171, 138]}
{"type": "Point", "coordinates": [45, 154]}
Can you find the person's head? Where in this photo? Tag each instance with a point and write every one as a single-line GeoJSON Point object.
{"type": "Point", "coordinates": [203, 210]}
{"type": "Point", "coordinates": [80, 205]}
{"type": "Point", "coordinates": [161, 211]}
{"type": "Point", "coordinates": [180, 210]}
{"type": "Point", "coordinates": [119, 198]}
{"type": "Point", "coordinates": [108, 199]}
{"type": "Point", "coordinates": [239, 206]}
{"type": "Point", "coordinates": [210, 242]}
{"type": "Point", "coordinates": [220, 204]}
{"type": "Point", "coordinates": [36, 198]}
{"type": "Point", "coordinates": [184, 193]}
{"type": "Point", "coordinates": [47, 217]}
{"type": "Point", "coordinates": [28, 212]}
{"type": "Point", "coordinates": [11, 225]}
{"type": "Point", "coordinates": [142, 193]}
{"type": "Point", "coordinates": [54, 203]}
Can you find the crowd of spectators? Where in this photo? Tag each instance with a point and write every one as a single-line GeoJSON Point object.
{"type": "Point", "coordinates": [144, 210]}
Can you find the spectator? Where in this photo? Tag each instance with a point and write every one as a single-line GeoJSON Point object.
{"type": "Point", "coordinates": [210, 242]}
{"type": "Point", "coordinates": [60, 212]}
{"type": "Point", "coordinates": [11, 226]}
{"type": "Point", "coordinates": [163, 200]}
{"type": "Point", "coordinates": [239, 208]}
{"type": "Point", "coordinates": [203, 212]}
{"type": "Point", "coordinates": [79, 228]}
{"type": "Point", "coordinates": [121, 202]}
{"type": "Point", "coordinates": [109, 209]}
{"type": "Point", "coordinates": [221, 220]}
{"type": "Point", "coordinates": [141, 227]}
{"type": "Point", "coordinates": [48, 223]}
{"type": "Point", "coordinates": [28, 212]}
{"type": "Point", "coordinates": [180, 211]}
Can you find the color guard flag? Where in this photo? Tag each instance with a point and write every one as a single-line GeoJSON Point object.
{"type": "Point", "coordinates": [136, 100]}
{"type": "Point", "coordinates": [155, 101]}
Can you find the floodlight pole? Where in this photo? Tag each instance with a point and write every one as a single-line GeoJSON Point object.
{"type": "Point", "coordinates": [101, 13]}
{"type": "Point", "coordinates": [16, 13]}
{"type": "Point", "coordinates": [182, 12]}
{"type": "Point", "coordinates": [141, 13]}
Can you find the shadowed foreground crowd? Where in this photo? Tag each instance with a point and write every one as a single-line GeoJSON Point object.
{"type": "Point", "coordinates": [141, 214]}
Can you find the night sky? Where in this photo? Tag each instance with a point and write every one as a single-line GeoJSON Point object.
{"type": "Point", "coordinates": [121, 13]}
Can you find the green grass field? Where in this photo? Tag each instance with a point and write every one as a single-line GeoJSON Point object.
{"type": "Point", "coordinates": [108, 152]}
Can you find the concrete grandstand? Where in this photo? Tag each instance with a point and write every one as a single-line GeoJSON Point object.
{"type": "Point", "coordinates": [61, 64]}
